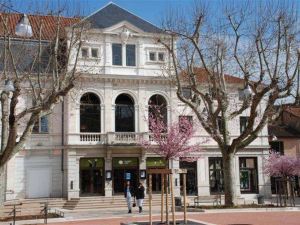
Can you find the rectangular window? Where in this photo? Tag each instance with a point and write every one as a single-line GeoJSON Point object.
{"type": "Point", "coordinates": [161, 56]}
{"type": "Point", "coordinates": [220, 124]}
{"type": "Point", "coordinates": [243, 123]}
{"type": "Point", "coordinates": [186, 92]}
{"type": "Point", "coordinates": [189, 118]}
{"type": "Point", "coordinates": [94, 52]}
{"type": "Point", "coordinates": [277, 146]}
{"type": "Point", "coordinates": [152, 56]}
{"type": "Point", "coordinates": [216, 177]}
{"type": "Point", "coordinates": [117, 54]}
{"type": "Point", "coordinates": [84, 52]}
{"type": "Point", "coordinates": [130, 55]}
{"type": "Point", "coordinates": [41, 126]}
{"type": "Point", "coordinates": [248, 175]}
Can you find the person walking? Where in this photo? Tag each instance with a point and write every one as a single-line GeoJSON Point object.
{"type": "Point", "coordinates": [129, 194]}
{"type": "Point", "coordinates": [140, 195]}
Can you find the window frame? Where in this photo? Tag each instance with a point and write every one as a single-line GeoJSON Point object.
{"type": "Point", "coordinates": [38, 124]}
{"type": "Point", "coordinates": [87, 52]}
{"type": "Point", "coordinates": [215, 170]}
{"type": "Point", "coordinates": [163, 58]}
{"type": "Point", "coordinates": [126, 57]}
{"type": "Point", "coordinates": [97, 51]}
{"type": "Point", "coordinates": [154, 54]}
{"type": "Point", "coordinates": [121, 53]}
{"type": "Point", "coordinates": [243, 123]}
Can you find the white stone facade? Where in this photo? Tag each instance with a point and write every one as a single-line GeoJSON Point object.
{"type": "Point", "coordinates": [56, 154]}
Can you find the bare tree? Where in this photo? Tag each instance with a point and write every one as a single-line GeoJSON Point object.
{"type": "Point", "coordinates": [38, 69]}
{"type": "Point", "coordinates": [258, 45]}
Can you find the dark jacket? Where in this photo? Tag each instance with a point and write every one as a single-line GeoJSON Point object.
{"type": "Point", "coordinates": [131, 191]}
{"type": "Point", "coordinates": [140, 192]}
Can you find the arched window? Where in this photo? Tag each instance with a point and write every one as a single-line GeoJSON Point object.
{"type": "Point", "coordinates": [90, 114]}
{"type": "Point", "coordinates": [158, 107]}
{"type": "Point", "coordinates": [124, 117]}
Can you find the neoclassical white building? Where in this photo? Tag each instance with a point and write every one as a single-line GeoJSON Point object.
{"type": "Point", "coordinates": [89, 146]}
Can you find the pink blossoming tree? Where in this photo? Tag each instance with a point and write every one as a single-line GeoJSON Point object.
{"type": "Point", "coordinates": [171, 142]}
{"type": "Point", "coordinates": [285, 167]}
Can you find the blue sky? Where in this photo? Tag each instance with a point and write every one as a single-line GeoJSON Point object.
{"type": "Point", "coordinates": [151, 10]}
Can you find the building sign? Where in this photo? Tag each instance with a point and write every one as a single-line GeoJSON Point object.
{"type": "Point", "coordinates": [155, 162]}
{"type": "Point", "coordinates": [125, 162]}
{"type": "Point", "coordinates": [91, 163]}
{"type": "Point", "coordinates": [127, 176]}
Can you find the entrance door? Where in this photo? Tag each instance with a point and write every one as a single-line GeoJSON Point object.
{"type": "Point", "coordinates": [91, 176]}
{"type": "Point", "coordinates": [191, 177]}
{"type": "Point", "coordinates": [125, 169]}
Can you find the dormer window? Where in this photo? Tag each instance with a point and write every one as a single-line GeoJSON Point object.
{"type": "Point", "coordinates": [84, 52]}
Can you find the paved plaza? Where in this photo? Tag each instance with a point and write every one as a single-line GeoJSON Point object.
{"type": "Point", "coordinates": [210, 217]}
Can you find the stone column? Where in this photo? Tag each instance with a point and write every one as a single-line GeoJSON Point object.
{"type": "Point", "coordinates": [264, 182]}
{"type": "Point", "coordinates": [203, 176]}
{"type": "Point", "coordinates": [108, 166]}
{"type": "Point", "coordinates": [136, 118]}
{"type": "Point", "coordinates": [103, 128]}
{"type": "Point", "coordinates": [73, 175]}
{"type": "Point", "coordinates": [143, 166]}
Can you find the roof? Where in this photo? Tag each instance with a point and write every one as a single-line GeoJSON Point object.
{"type": "Point", "coordinates": [112, 14]}
{"type": "Point", "coordinates": [282, 131]}
{"type": "Point", "coordinates": [294, 110]}
{"type": "Point", "coordinates": [49, 24]}
{"type": "Point", "coordinates": [202, 77]}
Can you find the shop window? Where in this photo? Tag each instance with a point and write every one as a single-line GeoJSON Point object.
{"type": "Point", "coordinates": [41, 126]}
{"type": "Point", "coordinates": [90, 113]}
{"type": "Point", "coordinates": [130, 55]}
{"type": "Point", "coordinates": [191, 177]}
{"type": "Point", "coordinates": [124, 115]}
{"type": "Point", "coordinates": [243, 123]}
{"type": "Point", "coordinates": [117, 54]}
{"type": "Point", "coordinates": [248, 175]}
{"type": "Point", "coordinates": [216, 177]}
{"type": "Point", "coordinates": [156, 163]}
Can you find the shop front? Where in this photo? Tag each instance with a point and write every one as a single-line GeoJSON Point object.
{"type": "Point", "coordinates": [155, 163]}
{"type": "Point", "coordinates": [124, 169]}
{"type": "Point", "coordinates": [91, 176]}
{"type": "Point", "coordinates": [191, 177]}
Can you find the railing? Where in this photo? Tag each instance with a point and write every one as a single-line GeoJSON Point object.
{"type": "Point", "coordinates": [124, 137]}
{"type": "Point", "coordinates": [92, 137]}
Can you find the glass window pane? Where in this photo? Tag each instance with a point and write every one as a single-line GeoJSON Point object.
{"type": "Point", "coordinates": [117, 54]}
{"type": "Point", "coordinates": [36, 127]}
{"type": "Point", "coordinates": [243, 123]}
{"type": "Point", "coordinates": [84, 52]}
{"type": "Point", "coordinates": [152, 56]}
{"type": "Point", "coordinates": [90, 113]}
{"type": "Point", "coordinates": [161, 56]}
{"type": "Point", "coordinates": [130, 55]}
{"type": "Point", "coordinates": [94, 52]}
{"type": "Point", "coordinates": [44, 124]}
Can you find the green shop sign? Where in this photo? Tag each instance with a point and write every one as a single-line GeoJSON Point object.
{"type": "Point", "coordinates": [125, 162]}
{"type": "Point", "coordinates": [155, 162]}
{"type": "Point", "coordinates": [91, 162]}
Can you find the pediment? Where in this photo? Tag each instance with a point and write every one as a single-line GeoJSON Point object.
{"type": "Point", "coordinates": [124, 25]}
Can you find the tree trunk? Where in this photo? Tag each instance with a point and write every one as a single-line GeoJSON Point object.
{"type": "Point", "coordinates": [2, 185]}
{"type": "Point", "coordinates": [229, 179]}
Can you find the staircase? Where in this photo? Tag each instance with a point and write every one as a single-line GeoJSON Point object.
{"type": "Point", "coordinates": [101, 202]}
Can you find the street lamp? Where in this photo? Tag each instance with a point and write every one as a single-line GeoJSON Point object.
{"type": "Point", "coordinates": [23, 27]}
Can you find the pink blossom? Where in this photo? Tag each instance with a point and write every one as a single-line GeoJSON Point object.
{"type": "Point", "coordinates": [282, 165]}
{"type": "Point", "coordinates": [173, 141]}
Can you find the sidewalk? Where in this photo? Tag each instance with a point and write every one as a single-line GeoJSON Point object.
{"type": "Point", "coordinates": [213, 216]}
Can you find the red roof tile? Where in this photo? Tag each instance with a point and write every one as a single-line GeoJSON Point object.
{"type": "Point", "coordinates": [49, 23]}
{"type": "Point", "coordinates": [202, 77]}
